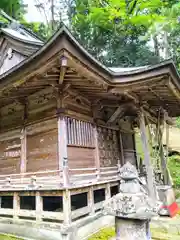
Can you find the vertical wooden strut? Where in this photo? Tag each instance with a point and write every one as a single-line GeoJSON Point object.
{"type": "Point", "coordinates": [147, 159]}
{"type": "Point", "coordinates": [66, 207]}
{"type": "Point", "coordinates": [39, 207]}
{"type": "Point", "coordinates": [62, 138]}
{"type": "Point", "coordinates": [97, 157]}
{"type": "Point", "coordinates": [16, 205]}
{"type": "Point", "coordinates": [91, 201]}
{"type": "Point", "coordinates": [95, 111]}
{"type": "Point", "coordinates": [121, 148]}
{"type": "Point", "coordinates": [62, 149]}
{"type": "Point", "coordinates": [162, 153]}
{"type": "Point", "coordinates": [24, 143]}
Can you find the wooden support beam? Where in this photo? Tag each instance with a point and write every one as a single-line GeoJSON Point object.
{"type": "Point", "coordinates": [162, 153]}
{"type": "Point", "coordinates": [67, 207]}
{"type": "Point", "coordinates": [16, 205]}
{"type": "Point", "coordinates": [62, 70]}
{"type": "Point", "coordinates": [91, 200]}
{"type": "Point", "coordinates": [121, 149]}
{"type": "Point", "coordinates": [39, 207]}
{"type": "Point", "coordinates": [117, 113]}
{"type": "Point", "coordinates": [147, 158]}
{"type": "Point", "coordinates": [62, 136]}
{"type": "Point", "coordinates": [108, 191]}
{"type": "Point", "coordinates": [62, 149]}
{"type": "Point", "coordinates": [97, 156]}
{"type": "Point", "coordinates": [23, 151]}
{"type": "Point", "coordinates": [174, 90]}
{"type": "Point", "coordinates": [23, 137]}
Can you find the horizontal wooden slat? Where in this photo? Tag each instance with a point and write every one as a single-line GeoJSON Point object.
{"type": "Point", "coordinates": [80, 212]}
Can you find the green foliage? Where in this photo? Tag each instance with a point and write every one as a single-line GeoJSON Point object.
{"type": "Point", "coordinates": [174, 167]}
{"type": "Point", "coordinates": [7, 237]}
{"type": "Point", "coordinates": [13, 8]}
{"type": "Point", "coordinates": [178, 122]}
{"type": "Point", "coordinates": [98, 24]}
{"type": "Point", "coordinates": [104, 234]}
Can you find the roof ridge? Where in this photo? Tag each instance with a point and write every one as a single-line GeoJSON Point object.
{"type": "Point", "coordinates": [16, 24]}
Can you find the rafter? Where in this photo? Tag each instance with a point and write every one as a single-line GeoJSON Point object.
{"type": "Point", "coordinates": [63, 69]}
{"type": "Point", "coordinates": [119, 112]}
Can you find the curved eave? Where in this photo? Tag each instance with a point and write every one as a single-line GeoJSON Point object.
{"type": "Point", "coordinates": [31, 42]}
{"type": "Point", "coordinates": [63, 40]}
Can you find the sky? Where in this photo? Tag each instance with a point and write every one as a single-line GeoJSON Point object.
{"type": "Point", "coordinates": [33, 14]}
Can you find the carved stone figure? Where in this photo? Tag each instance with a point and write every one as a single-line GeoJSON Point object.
{"type": "Point", "coordinates": [132, 207]}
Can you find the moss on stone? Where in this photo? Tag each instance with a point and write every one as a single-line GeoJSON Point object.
{"type": "Point", "coordinates": [104, 234]}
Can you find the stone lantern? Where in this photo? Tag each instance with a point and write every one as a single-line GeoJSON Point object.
{"type": "Point", "coordinates": [132, 207]}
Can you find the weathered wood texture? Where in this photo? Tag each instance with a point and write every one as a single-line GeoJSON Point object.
{"type": "Point", "coordinates": [79, 133]}
{"type": "Point", "coordinates": [10, 151]}
{"type": "Point", "coordinates": [42, 147]}
{"type": "Point", "coordinates": [129, 147]}
{"type": "Point", "coordinates": [79, 157]}
{"type": "Point", "coordinates": [10, 61]}
{"type": "Point", "coordinates": [41, 105]}
{"type": "Point", "coordinates": [109, 148]}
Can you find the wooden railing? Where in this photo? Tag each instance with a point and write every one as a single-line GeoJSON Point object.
{"type": "Point", "coordinates": [54, 178]}
{"type": "Point", "coordinates": [93, 175]}
{"type": "Point", "coordinates": [31, 180]}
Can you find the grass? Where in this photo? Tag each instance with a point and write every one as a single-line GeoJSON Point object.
{"type": "Point", "coordinates": [6, 237]}
{"type": "Point", "coordinates": [157, 234]}
{"type": "Point", "coordinates": [104, 234]}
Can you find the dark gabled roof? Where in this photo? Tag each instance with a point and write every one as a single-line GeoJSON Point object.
{"type": "Point", "coordinates": [19, 32]}
{"type": "Point", "coordinates": [113, 74]}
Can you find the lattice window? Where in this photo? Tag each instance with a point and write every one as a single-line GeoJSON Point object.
{"type": "Point", "coordinates": [79, 133]}
{"type": "Point", "coordinates": [108, 146]}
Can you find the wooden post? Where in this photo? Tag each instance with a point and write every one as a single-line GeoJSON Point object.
{"type": "Point", "coordinates": [97, 157]}
{"type": "Point", "coordinates": [121, 148]}
{"type": "Point", "coordinates": [16, 205]}
{"type": "Point", "coordinates": [67, 206]}
{"type": "Point", "coordinates": [162, 153]}
{"type": "Point", "coordinates": [108, 191]}
{"type": "Point", "coordinates": [23, 138]}
{"type": "Point", "coordinates": [62, 149]}
{"type": "Point", "coordinates": [147, 159]}
{"type": "Point", "coordinates": [23, 151]}
{"type": "Point", "coordinates": [91, 200]}
{"type": "Point", "coordinates": [39, 207]}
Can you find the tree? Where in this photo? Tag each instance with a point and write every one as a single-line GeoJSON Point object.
{"type": "Point", "coordinates": [14, 8]}
{"type": "Point", "coordinates": [108, 34]}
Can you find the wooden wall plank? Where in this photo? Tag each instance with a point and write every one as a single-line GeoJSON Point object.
{"type": "Point", "coordinates": [42, 151]}
{"type": "Point", "coordinates": [79, 157]}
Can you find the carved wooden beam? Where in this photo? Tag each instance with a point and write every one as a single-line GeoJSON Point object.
{"type": "Point", "coordinates": [119, 112]}
{"type": "Point", "coordinates": [174, 90]}
{"type": "Point", "coordinates": [62, 69]}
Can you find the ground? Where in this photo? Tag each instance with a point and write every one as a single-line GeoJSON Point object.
{"type": "Point", "coordinates": [161, 229]}
{"type": "Point", "coordinates": [3, 237]}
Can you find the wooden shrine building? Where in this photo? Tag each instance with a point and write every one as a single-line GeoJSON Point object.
{"type": "Point", "coordinates": [66, 126]}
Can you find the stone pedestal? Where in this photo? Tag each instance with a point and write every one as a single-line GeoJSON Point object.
{"type": "Point", "coordinates": [127, 229]}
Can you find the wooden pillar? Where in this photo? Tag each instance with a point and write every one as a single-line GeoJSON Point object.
{"type": "Point", "coordinates": [16, 205]}
{"type": "Point", "coordinates": [23, 164]}
{"type": "Point", "coordinates": [91, 200]}
{"type": "Point", "coordinates": [66, 207]}
{"type": "Point", "coordinates": [62, 149]}
{"type": "Point", "coordinates": [121, 149]}
{"type": "Point", "coordinates": [108, 191]}
{"type": "Point", "coordinates": [39, 207]}
{"type": "Point", "coordinates": [147, 158]}
{"type": "Point", "coordinates": [97, 157]}
{"type": "Point", "coordinates": [162, 153]}
{"type": "Point", "coordinates": [23, 151]}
